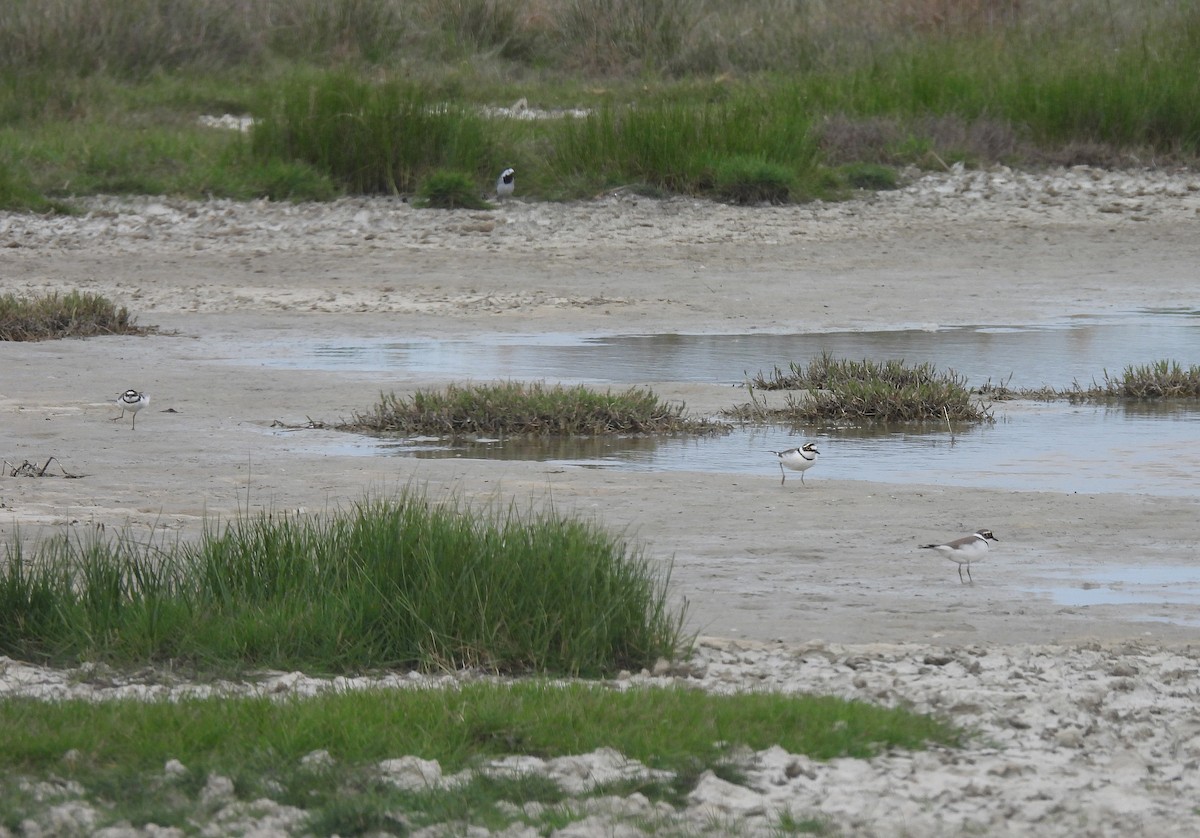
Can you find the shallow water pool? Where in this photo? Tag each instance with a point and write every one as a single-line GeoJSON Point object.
{"type": "Point", "coordinates": [1052, 446]}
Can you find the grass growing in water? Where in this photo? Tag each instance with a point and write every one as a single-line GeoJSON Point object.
{"type": "Point", "coordinates": [1164, 379]}
{"type": "Point", "coordinates": [404, 583]}
{"type": "Point", "coordinates": [867, 391]}
{"type": "Point", "coordinates": [1161, 380]}
{"type": "Point", "coordinates": [121, 746]}
{"type": "Point", "coordinates": [72, 315]}
{"type": "Point", "coordinates": [515, 407]}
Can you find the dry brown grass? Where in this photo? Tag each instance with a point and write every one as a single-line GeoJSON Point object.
{"type": "Point", "coordinates": [596, 36]}
{"type": "Point", "coordinates": [73, 315]}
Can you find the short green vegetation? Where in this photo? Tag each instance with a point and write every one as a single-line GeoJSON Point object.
{"type": "Point", "coordinates": [450, 190]}
{"type": "Point", "coordinates": [73, 315]}
{"type": "Point", "coordinates": [735, 101]}
{"type": "Point", "coordinates": [457, 725]}
{"type": "Point", "coordinates": [840, 390]}
{"type": "Point", "coordinates": [869, 176]}
{"type": "Point", "coordinates": [403, 583]}
{"type": "Point", "coordinates": [861, 392]}
{"type": "Point", "coordinates": [535, 408]}
{"type": "Point", "coordinates": [17, 193]}
{"type": "Point", "coordinates": [753, 180]}
{"type": "Point", "coordinates": [118, 748]}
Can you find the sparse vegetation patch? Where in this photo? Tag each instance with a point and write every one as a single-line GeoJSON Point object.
{"type": "Point", "coordinates": [1164, 379]}
{"type": "Point", "coordinates": [1161, 380]}
{"type": "Point", "coordinates": [264, 746]}
{"type": "Point", "coordinates": [866, 391]}
{"type": "Point", "coordinates": [74, 315]}
{"type": "Point", "coordinates": [751, 180]}
{"type": "Point", "coordinates": [536, 408]}
{"type": "Point", "coordinates": [450, 190]}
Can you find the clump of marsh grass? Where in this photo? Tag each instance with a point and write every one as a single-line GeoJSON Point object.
{"type": "Point", "coordinates": [1164, 379]}
{"type": "Point", "coordinates": [402, 583]}
{"type": "Point", "coordinates": [535, 409]}
{"type": "Point", "coordinates": [370, 137]}
{"type": "Point", "coordinates": [869, 176]}
{"type": "Point", "coordinates": [866, 391]}
{"type": "Point", "coordinates": [713, 148]}
{"type": "Point", "coordinates": [449, 190]}
{"type": "Point", "coordinates": [17, 195]}
{"type": "Point", "coordinates": [751, 180]}
{"type": "Point", "coordinates": [50, 316]}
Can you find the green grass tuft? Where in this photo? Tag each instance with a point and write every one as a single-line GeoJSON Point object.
{"type": "Point", "coordinates": [1164, 379]}
{"type": "Point", "coordinates": [869, 176]}
{"type": "Point", "coordinates": [1161, 380]}
{"type": "Point", "coordinates": [536, 409]}
{"type": "Point", "coordinates": [405, 583]}
{"type": "Point", "coordinates": [51, 316]}
{"type": "Point", "coordinates": [867, 391]}
{"type": "Point", "coordinates": [754, 137]}
{"type": "Point", "coordinates": [751, 180]}
{"type": "Point", "coordinates": [450, 190]}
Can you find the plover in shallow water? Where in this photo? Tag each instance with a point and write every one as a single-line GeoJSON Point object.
{"type": "Point", "coordinates": [506, 183]}
{"type": "Point", "coordinates": [797, 459]}
{"type": "Point", "coordinates": [133, 401]}
{"type": "Point", "coordinates": [965, 550]}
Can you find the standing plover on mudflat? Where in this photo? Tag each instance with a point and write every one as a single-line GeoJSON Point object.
{"type": "Point", "coordinates": [965, 550]}
{"type": "Point", "coordinates": [133, 401]}
{"type": "Point", "coordinates": [797, 459]}
{"type": "Point", "coordinates": [506, 183]}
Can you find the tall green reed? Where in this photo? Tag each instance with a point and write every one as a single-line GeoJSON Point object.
{"type": "Point", "coordinates": [680, 147]}
{"type": "Point", "coordinates": [371, 138]}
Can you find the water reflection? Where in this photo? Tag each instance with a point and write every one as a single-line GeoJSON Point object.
{"type": "Point", "coordinates": [1055, 446]}
{"type": "Point", "coordinates": [1057, 355]}
{"type": "Point", "coordinates": [1032, 447]}
{"type": "Point", "coordinates": [1130, 585]}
